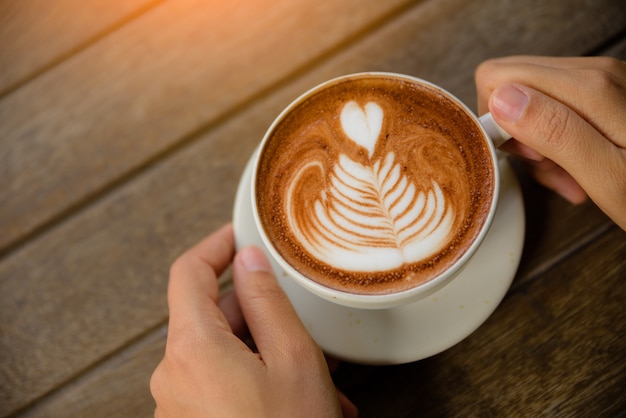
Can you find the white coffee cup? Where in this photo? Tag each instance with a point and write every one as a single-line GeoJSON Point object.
{"type": "Point", "coordinates": [493, 136]}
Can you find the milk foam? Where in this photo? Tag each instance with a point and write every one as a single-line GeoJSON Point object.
{"type": "Point", "coordinates": [370, 217]}
{"type": "Point", "coordinates": [362, 125]}
{"type": "Point", "coordinates": [374, 185]}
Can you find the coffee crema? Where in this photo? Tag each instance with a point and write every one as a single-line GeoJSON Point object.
{"type": "Point", "coordinates": [374, 184]}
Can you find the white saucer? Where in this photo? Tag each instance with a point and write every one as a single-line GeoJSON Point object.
{"type": "Point", "coordinates": [421, 329]}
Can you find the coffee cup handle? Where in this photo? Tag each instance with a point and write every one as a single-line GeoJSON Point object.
{"type": "Point", "coordinates": [498, 135]}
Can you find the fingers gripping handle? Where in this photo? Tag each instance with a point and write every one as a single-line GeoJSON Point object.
{"type": "Point", "coordinates": [498, 135]}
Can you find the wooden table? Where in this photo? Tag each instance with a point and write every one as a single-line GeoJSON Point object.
{"type": "Point", "coordinates": [124, 129]}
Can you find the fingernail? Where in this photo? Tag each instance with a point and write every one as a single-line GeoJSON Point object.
{"type": "Point", "coordinates": [509, 102]}
{"type": "Point", "coordinates": [253, 259]}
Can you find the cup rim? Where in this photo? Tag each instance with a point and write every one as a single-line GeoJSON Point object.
{"type": "Point", "coordinates": [392, 299]}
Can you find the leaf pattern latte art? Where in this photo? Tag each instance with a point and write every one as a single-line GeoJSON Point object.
{"type": "Point", "coordinates": [369, 217]}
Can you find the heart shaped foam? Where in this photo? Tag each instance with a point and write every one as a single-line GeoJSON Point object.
{"type": "Point", "coordinates": [362, 125]}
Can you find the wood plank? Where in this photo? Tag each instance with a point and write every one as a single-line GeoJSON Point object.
{"type": "Point", "coordinates": [118, 388]}
{"type": "Point", "coordinates": [555, 347]}
{"type": "Point", "coordinates": [112, 108]}
{"type": "Point", "coordinates": [114, 277]}
{"type": "Point", "coordinates": [555, 228]}
{"type": "Point", "coordinates": [37, 34]}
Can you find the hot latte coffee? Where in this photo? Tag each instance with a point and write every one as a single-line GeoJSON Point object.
{"type": "Point", "coordinates": [374, 184]}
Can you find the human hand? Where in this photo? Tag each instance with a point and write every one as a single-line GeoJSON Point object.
{"type": "Point", "coordinates": [568, 118]}
{"type": "Point", "coordinates": [209, 371]}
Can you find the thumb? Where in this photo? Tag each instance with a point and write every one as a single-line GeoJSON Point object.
{"type": "Point", "coordinates": [547, 126]}
{"type": "Point", "coordinates": [273, 323]}
{"type": "Point", "coordinates": [560, 134]}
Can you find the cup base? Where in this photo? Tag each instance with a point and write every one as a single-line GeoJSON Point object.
{"type": "Point", "coordinates": [421, 329]}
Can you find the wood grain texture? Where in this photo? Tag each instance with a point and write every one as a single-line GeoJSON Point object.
{"type": "Point", "coordinates": [117, 104]}
{"type": "Point", "coordinates": [36, 34]}
{"type": "Point", "coordinates": [95, 283]}
{"type": "Point", "coordinates": [144, 88]}
{"type": "Point", "coordinates": [119, 387]}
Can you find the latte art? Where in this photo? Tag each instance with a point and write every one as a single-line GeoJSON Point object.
{"type": "Point", "coordinates": [370, 217]}
{"type": "Point", "coordinates": [362, 125]}
{"type": "Point", "coordinates": [374, 184]}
